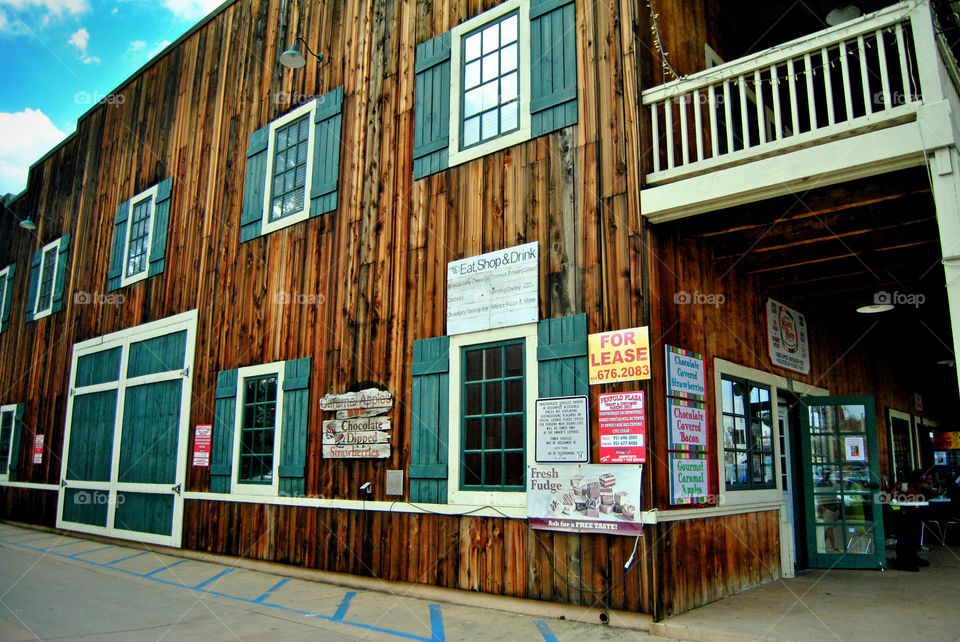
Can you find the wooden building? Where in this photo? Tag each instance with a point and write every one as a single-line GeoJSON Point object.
{"type": "Point", "coordinates": [238, 245]}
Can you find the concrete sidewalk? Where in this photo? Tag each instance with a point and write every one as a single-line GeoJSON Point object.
{"type": "Point", "coordinates": [837, 605]}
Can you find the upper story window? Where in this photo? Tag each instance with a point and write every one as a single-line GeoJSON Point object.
{"type": "Point", "coordinates": [140, 236]}
{"type": "Point", "coordinates": [6, 294]}
{"type": "Point", "coordinates": [747, 431]}
{"type": "Point", "coordinates": [293, 167]}
{"type": "Point", "coordinates": [496, 80]}
{"type": "Point", "coordinates": [47, 279]}
{"type": "Point", "coordinates": [490, 82]}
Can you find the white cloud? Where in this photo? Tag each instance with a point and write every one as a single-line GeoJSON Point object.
{"type": "Point", "coordinates": [56, 7]}
{"type": "Point", "coordinates": [80, 39]}
{"type": "Point", "coordinates": [24, 137]}
{"type": "Point", "coordinates": [137, 45]}
{"type": "Point", "coordinates": [191, 8]}
{"type": "Point", "coordinates": [157, 48]}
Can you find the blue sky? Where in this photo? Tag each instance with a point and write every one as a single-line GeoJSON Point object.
{"type": "Point", "coordinates": [61, 56]}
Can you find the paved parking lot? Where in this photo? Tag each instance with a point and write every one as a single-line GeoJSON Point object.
{"type": "Point", "coordinates": [57, 586]}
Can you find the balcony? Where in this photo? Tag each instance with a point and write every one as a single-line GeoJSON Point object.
{"type": "Point", "coordinates": [866, 97]}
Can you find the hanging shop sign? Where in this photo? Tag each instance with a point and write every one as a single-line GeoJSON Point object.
{"type": "Point", "coordinates": [622, 428]}
{"type": "Point", "coordinates": [688, 424]}
{"type": "Point", "coordinates": [494, 290]}
{"type": "Point", "coordinates": [946, 440]}
{"type": "Point", "coordinates": [38, 449]}
{"type": "Point", "coordinates": [854, 449]}
{"type": "Point", "coordinates": [620, 355]}
{"type": "Point", "coordinates": [562, 428]}
{"type": "Point", "coordinates": [584, 498]}
{"type": "Point", "coordinates": [940, 458]}
{"type": "Point", "coordinates": [686, 378]}
{"type": "Point", "coordinates": [787, 338]}
{"type": "Point", "coordinates": [360, 431]}
{"type": "Point", "coordinates": [202, 440]}
{"type": "Point", "coordinates": [689, 479]}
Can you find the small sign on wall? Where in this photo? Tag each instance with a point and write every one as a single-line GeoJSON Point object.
{"type": "Point", "coordinates": [563, 426]}
{"type": "Point", "coordinates": [622, 428]}
{"type": "Point", "coordinates": [359, 431]}
{"type": "Point", "coordinates": [689, 480]}
{"type": "Point", "coordinates": [688, 424]}
{"type": "Point", "coordinates": [620, 355]}
{"type": "Point", "coordinates": [787, 338]}
{"type": "Point", "coordinates": [202, 438]}
{"type": "Point", "coordinates": [686, 378]}
{"type": "Point", "coordinates": [494, 290]}
{"type": "Point", "coordinates": [38, 449]}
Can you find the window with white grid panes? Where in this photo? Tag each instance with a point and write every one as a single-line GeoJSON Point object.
{"type": "Point", "coordinates": [291, 146]}
{"type": "Point", "coordinates": [490, 105]}
{"type": "Point", "coordinates": [138, 245]}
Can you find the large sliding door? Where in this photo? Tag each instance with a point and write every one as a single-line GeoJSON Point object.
{"type": "Point", "coordinates": [126, 432]}
{"type": "Point", "coordinates": [841, 478]}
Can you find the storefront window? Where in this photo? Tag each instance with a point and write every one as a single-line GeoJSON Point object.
{"type": "Point", "coordinates": [747, 435]}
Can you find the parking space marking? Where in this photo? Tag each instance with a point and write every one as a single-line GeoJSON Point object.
{"type": "Point", "coordinates": [271, 590]}
{"type": "Point", "coordinates": [344, 605]}
{"type": "Point", "coordinates": [545, 631]}
{"type": "Point", "coordinates": [162, 568]}
{"type": "Point", "coordinates": [124, 559]}
{"type": "Point", "coordinates": [92, 550]}
{"type": "Point", "coordinates": [213, 579]}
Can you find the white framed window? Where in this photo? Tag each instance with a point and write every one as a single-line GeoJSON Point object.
{"type": "Point", "coordinates": [490, 82]}
{"type": "Point", "coordinates": [7, 417]}
{"type": "Point", "coordinates": [137, 244]}
{"type": "Point", "coordinates": [289, 169]}
{"type": "Point", "coordinates": [257, 434]}
{"type": "Point", "coordinates": [43, 304]}
{"type": "Point", "coordinates": [6, 292]}
{"type": "Point", "coordinates": [493, 393]}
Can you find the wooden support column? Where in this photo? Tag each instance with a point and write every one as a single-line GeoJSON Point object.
{"type": "Point", "coordinates": [944, 166]}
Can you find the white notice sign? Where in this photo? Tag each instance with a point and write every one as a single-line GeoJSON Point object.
{"type": "Point", "coordinates": [493, 290]}
{"type": "Point", "coordinates": [787, 337]}
{"type": "Point", "coordinates": [562, 427]}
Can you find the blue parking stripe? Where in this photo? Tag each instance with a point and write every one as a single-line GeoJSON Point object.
{"type": "Point", "coordinates": [545, 631]}
{"type": "Point", "coordinates": [124, 559]}
{"type": "Point", "coordinates": [162, 568]}
{"type": "Point", "coordinates": [344, 606]}
{"type": "Point", "coordinates": [275, 587]}
{"type": "Point", "coordinates": [436, 624]}
{"type": "Point", "coordinates": [73, 543]}
{"type": "Point", "coordinates": [213, 579]}
{"type": "Point", "coordinates": [92, 550]}
{"type": "Point", "coordinates": [436, 618]}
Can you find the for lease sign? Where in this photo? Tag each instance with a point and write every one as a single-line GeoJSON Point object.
{"type": "Point", "coordinates": [620, 355]}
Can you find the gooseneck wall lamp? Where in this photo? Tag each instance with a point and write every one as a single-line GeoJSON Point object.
{"type": "Point", "coordinates": [293, 59]}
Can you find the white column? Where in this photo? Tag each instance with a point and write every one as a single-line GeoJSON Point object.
{"type": "Point", "coordinates": [944, 166]}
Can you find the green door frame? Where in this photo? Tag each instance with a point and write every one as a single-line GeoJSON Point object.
{"type": "Point", "coordinates": [877, 559]}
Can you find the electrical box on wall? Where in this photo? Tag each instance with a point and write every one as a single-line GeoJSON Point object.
{"type": "Point", "coordinates": [394, 482]}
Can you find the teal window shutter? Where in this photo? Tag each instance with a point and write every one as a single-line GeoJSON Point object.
{"type": "Point", "coordinates": [224, 422]}
{"type": "Point", "coordinates": [61, 276]}
{"type": "Point", "coordinates": [14, 467]}
{"type": "Point", "coordinates": [251, 220]}
{"type": "Point", "coordinates": [119, 241]}
{"type": "Point", "coordinates": [562, 356]}
{"type": "Point", "coordinates": [293, 440]}
{"type": "Point", "coordinates": [7, 289]}
{"type": "Point", "coordinates": [429, 419]}
{"type": "Point", "coordinates": [553, 65]}
{"type": "Point", "coordinates": [161, 221]}
{"type": "Point", "coordinates": [431, 132]}
{"type": "Point", "coordinates": [326, 153]}
{"type": "Point", "coordinates": [34, 283]}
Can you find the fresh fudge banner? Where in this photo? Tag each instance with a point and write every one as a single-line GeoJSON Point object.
{"type": "Point", "coordinates": [689, 481]}
{"type": "Point", "coordinates": [585, 498]}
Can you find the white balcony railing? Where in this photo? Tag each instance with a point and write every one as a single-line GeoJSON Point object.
{"type": "Point", "coordinates": [856, 77]}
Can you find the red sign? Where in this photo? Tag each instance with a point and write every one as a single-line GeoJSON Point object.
{"type": "Point", "coordinates": [38, 449]}
{"type": "Point", "coordinates": [202, 438]}
{"type": "Point", "coordinates": [622, 428]}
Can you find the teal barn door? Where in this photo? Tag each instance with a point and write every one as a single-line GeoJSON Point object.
{"type": "Point", "coordinates": [127, 431]}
